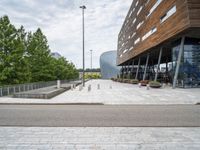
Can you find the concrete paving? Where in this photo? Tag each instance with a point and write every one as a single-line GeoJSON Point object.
{"type": "Point", "coordinates": [100, 116]}
{"type": "Point", "coordinates": [14, 138]}
{"type": "Point", "coordinates": [118, 93]}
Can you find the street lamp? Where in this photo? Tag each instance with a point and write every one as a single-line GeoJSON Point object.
{"type": "Point", "coordinates": [83, 78]}
{"type": "Point", "coordinates": [91, 60]}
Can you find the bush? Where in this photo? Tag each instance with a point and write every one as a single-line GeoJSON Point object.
{"type": "Point", "coordinates": [155, 84]}
{"type": "Point", "coordinates": [134, 81]}
{"type": "Point", "coordinates": [114, 79]}
{"type": "Point", "coordinates": [126, 81]}
{"type": "Point", "coordinates": [144, 82]}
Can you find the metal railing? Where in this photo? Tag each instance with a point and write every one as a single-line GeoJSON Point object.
{"type": "Point", "coordinates": [12, 89]}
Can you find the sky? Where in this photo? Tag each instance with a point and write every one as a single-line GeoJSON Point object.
{"type": "Point", "coordinates": [61, 22]}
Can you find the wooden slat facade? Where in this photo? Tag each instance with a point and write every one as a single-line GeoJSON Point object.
{"type": "Point", "coordinates": [186, 19]}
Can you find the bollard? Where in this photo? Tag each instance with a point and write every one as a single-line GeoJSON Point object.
{"type": "Point", "coordinates": [163, 85]}
{"type": "Point", "coordinates": [72, 87]}
{"type": "Point", "coordinates": [148, 87]}
{"type": "Point", "coordinates": [110, 86]}
{"type": "Point", "coordinates": [1, 92]}
{"type": "Point", "coordinates": [98, 86]}
{"type": "Point", "coordinates": [80, 88]}
{"type": "Point", "coordinates": [58, 84]}
{"type": "Point", "coordinates": [139, 85]}
{"type": "Point", "coordinates": [89, 88]}
{"type": "Point", "coordinates": [14, 90]}
{"type": "Point", "coordinates": [8, 91]}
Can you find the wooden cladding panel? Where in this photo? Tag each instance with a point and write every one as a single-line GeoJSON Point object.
{"type": "Point", "coordinates": [174, 25]}
{"type": "Point", "coordinates": [194, 12]}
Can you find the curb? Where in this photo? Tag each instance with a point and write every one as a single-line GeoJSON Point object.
{"type": "Point", "coordinates": [51, 104]}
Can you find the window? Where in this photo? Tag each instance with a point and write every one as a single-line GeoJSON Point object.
{"type": "Point", "coordinates": [130, 14]}
{"type": "Point", "coordinates": [130, 48]}
{"type": "Point", "coordinates": [152, 31]}
{"type": "Point", "coordinates": [139, 25]}
{"type": "Point", "coordinates": [168, 14]}
{"type": "Point", "coordinates": [147, 2]}
{"type": "Point", "coordinates": [139, 10]}
{"type": "Point", "coordinates": [133, 35]}
{"type": "Point", "coordinates": [137, 41]}
{"type": "Point", "coordinates": [126, 50]}
{"type": "Point", "coordinates": [134, 21]}
{"type": "Point", "coordinates": [137, 3]}
{"type": "Point", "coordinates": [121, 55]}
{"type": "Point", "coordinates": [154, 7]}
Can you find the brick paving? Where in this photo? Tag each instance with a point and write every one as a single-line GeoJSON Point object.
{"type": "Point", "coordinates": [99, 138]}
{"type": "Point", "coordinates": [118, 93]}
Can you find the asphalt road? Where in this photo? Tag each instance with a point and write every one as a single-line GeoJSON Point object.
{"type": "Point", "coordinates": [100, 115]}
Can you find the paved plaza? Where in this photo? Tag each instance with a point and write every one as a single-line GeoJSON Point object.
{"type": "Point", "coordinates": [112, 94]}
{"type": "Point", "coordinates": [99, 138]}
{"type": "Point", "coordinates": [118, 93]}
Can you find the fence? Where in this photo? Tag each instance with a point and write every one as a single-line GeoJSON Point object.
{"type": "Point", "coordinates": [11, 89]}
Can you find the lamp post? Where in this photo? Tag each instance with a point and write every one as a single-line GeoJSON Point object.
{"type": "Point", "coordinates": [83, 78]}
{"type": "Point", "coordinates": [91, 59]}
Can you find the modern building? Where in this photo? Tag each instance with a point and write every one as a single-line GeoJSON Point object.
{"type": "Point", "coordinates": [109, 68]}
{"type": "Point", "coordinates": [56, 55]}
{"type": "Point", "coordinates": [161, 34]}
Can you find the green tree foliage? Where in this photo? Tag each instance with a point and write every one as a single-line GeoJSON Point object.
{"type": "Point", "coordinates": [63, 69]}
{"type": "Point", "coordinates": [92, 76]}
{"type": "Point", "coordinates": [13, 66]}
{"type": "Point", "coordinates": [26, 57]}
{"type": "Point", "coordinates": [38, 57]}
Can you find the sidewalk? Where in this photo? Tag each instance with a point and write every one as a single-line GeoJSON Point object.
{"type": "Point", "coordinates": [15, 138]}
{"type": "Point", "coordinates": [113, 93]}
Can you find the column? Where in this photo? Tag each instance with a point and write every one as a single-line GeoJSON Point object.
{"type": "Point", "coordinates": [132, 69]}
{"type": "Point", "coordinates": [158, 66]}
{"type": "Point", "coordinates": [180, 54]}
{"type": "Point", "coordinates": [136, 77]}
{"type": "Point", "coordinates": [145, 70]}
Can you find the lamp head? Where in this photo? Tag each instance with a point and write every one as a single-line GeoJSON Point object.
{"type": "Point", "coordinates": [83, 7]}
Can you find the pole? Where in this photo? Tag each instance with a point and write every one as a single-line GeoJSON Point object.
{"type": "Point", "coordinates": [136, 76]}
{"type": "Point", "coordinates": [91, 59]}
{"type": "Point", "coordinates": [83, 27]}
{"type": "Point", "coordinates": [145, 70]}
{"type": "Point", "coordinates": [180, 54]}
{"type": "Point", "coordinates": [158, 66]}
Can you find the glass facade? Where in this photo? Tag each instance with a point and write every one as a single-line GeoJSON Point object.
{"type": "Point", "coordinates": [189, 72]}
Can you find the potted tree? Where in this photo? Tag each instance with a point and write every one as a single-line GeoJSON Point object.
{"type": "Point", "coordinates": [144, 82]}
{"type": "Point", "coordinates": [155, 84]}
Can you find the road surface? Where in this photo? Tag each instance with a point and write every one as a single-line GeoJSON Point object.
{"type": "Point", "coordinates": [100, 115]}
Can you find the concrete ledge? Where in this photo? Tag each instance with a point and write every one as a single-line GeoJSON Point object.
{"type": "Point", "coordinates": [40, 95]}
{"type": "Point", "coordinates": [45, 93]}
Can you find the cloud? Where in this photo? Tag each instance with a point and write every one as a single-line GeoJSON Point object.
{"type": "Point", "coordinates": [60, 20]}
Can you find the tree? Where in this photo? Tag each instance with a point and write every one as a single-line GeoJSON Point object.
{"type": "Point", "coordinates": [12, 47]}
{"type": "Point", "coordinates": [38, 57]}
{"type": "Point", "coordinates": [25, 57]}
{"type": "Point", "coordinates": [63, 70]}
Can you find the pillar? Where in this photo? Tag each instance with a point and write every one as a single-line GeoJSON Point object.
{"type": "Point", "coordinates": [158, 66]}
{"type": "Point", "coordinates": [136, 77]}
{"type": "Point", "coordinates": [180, 54]}
{"type": "Point", "coordinates": [145, 70]}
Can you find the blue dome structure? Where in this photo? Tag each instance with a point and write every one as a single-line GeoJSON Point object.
{"type": "Point", "coordinates": [108, 65]}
